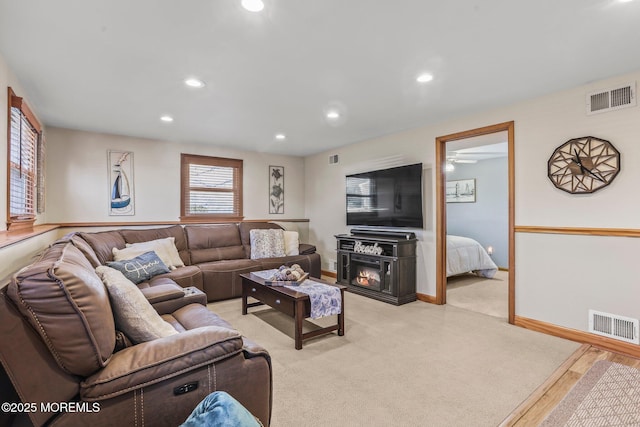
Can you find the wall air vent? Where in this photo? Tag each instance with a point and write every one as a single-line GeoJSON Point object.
{"type": "Point", "coordinates": [613, 326]}
{"type": "Point", "coordinates": [612, 99]}
{"type": "Point", "coordinates": [333, 159]}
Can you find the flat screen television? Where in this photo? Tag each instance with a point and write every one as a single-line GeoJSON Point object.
{"type": "Point", "coordinates": [387, 197]}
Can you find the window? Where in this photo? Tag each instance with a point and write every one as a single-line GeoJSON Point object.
{"type": "Point", "coordinates": [361, 193]}
{"type": "Point", "coordinates": [24, 138]}
{"type": "Point", "coordinates": [211, 188]}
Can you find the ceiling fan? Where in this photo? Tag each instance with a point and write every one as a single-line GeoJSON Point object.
{"type": "Point", "coordinates": [454, 157]}
{"type": "Point", "coordinates": [473, 154]}
{"type": "Point", "coordinates": [468, 156]}
{"type": "Point", "coordinates": [455, 160]}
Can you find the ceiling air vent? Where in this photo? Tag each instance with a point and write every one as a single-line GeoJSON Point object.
{"type": "Point", "coordinates": [612, 99]}
{"type": "Point", "coordinates": [614, 326]}
{"type": "Point", "coordinates": [333, 159]}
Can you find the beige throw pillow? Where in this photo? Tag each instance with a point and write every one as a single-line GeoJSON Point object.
{"type": "Point", "coordinates": [165, 248]}
{"type": "Point", "coordinates": [133, 314]}
{"type": "Point", "coordinates": [291, 243]}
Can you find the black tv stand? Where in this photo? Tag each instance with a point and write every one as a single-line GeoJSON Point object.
{"type": "Point", "coordinates": [379, 264]}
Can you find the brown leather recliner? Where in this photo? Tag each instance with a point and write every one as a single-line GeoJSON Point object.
{"type": "Point", "coordinates": [58, 346]}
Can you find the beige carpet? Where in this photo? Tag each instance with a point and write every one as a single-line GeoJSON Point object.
{"type": "Point", "coordinates": [479, 294]}
{"type": "Point", "coordinates": [607, 395]}
{"type": "Point", "coordinates": [412, 365]}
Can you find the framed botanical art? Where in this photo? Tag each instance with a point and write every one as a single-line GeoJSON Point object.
{"type": "Point", "coordinates": [461, 191]}
{"type": "Point", "coordinates": [276, 189]}
{"type": "Point", "coordinates": [121, 190]}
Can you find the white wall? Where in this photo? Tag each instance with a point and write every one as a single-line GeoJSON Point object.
{"type": "Point", "coordinates": [560, 277]}
{"type": "Point", "coordinates": [78, 184]}
{"type": "Point", "coordinates": [546, 289]}
{"type": "Point", "coordinates": [325, 192]}
{"type": "Point", "coordinates": [23, 253]}
{"type": "Point", "coordinates": [77, 188]}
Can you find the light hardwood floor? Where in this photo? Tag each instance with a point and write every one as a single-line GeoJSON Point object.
{"type": "Point", "coordinates": [542, 401]}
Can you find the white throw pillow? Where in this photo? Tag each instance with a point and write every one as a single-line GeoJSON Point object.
{"type": "Point", "coordinates": [291, 243]}
{"type": "Point", "coordinates": [133, 313]}
{"type": "Point", "coordinates": [267, 243]}
{"type": "Point", "coordinates": [165, 248]}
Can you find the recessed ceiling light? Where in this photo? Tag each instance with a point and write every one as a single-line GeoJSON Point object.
{"type": "Point", "coordinates": [333, 114]}
{"type": "Point", "coordinates": [193, 82]}
{"type": "Point", "coordinates": [253, 5]}
{"type": "Point", "coordinates": [166, 118]}
{"type": "Point", "coordinates": [625, 1]}
{"type": "Point", "coordinates": [281, 136]}
{"type": "Point", "coordinates": [423, 78]}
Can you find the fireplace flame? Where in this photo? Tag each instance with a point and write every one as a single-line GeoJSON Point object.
{"type": "Point", "coordinates": [367, 278]}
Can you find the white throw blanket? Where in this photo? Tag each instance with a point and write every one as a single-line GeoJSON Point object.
{"type": "Point", "coordinates": [465, 255]}
{"type": "Point", "coordinates": [325, 300]}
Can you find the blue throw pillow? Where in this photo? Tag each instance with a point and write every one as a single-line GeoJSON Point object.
{"type": "Point", "coordinates": [141, 268]}
{"type": "Point", "coordinates": [220, 409]}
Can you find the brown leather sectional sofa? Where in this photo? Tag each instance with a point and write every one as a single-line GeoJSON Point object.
{"type": "Point", "coordinates": [214, 255]}
{"type": "Point", "coordinates": [68, 364]}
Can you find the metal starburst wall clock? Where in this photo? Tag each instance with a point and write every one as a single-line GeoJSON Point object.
{"type": "Point", "coordinates": [583, 165]}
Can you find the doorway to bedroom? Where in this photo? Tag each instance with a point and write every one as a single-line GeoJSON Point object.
{"type": "Point", "coordinates": [474, 214]}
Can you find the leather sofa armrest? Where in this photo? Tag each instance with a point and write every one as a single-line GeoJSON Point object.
{"type": "Point", "coordinates": [155, 361]}
{"type": "Point", "coordinates": [306, 249]}
{"type": "Point", "coordinates": [253, 349]}
{"type": "Point", "coordinates": [163, 292]}
{"type": "Point", "coordinates": [190, 295]}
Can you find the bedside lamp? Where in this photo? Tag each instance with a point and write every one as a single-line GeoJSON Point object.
{"type": "Point", "coordinates": [490, 250]}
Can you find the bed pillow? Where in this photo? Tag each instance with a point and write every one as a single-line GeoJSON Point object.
{"type": "Point", "coordinates": [267, 243]}
{"type": "Point", "coordinates": [141, 268]}
{"type": "Point", "coordinates": [133, 314]}
{"type": "Point", "coordinates": [291, 243]}
{"type": "Point", "coordinates": [165, 248]}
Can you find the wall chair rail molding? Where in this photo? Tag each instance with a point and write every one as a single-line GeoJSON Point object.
{"type": "Point", "coordinates": [619, 232]}
{"type": "Point", "coordinates": [8, 238]}
{"type": "Point", "coordinates": [158, 223]}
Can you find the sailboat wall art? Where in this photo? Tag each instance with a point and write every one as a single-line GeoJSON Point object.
{"type": "Point", "coordinates": [461, 191]}
{"type": "Point", "coordinates": [121, 193]}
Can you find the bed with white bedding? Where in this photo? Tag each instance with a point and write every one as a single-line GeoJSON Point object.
{"type": "Point", "coordinates": [465, 255]}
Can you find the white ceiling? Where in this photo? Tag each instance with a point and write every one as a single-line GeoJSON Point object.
{"type": "Point", "coordinates": [483, 147]}
{"type": "Point", "coordinates": [116, 66]}
{"type": "Point", "coordinates": [481, 152]}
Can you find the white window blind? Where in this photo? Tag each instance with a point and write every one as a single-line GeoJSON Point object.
{"type": "Point", "coordinates": [211, 187]}
{"type": "Point", "coordinates": [24, 134]}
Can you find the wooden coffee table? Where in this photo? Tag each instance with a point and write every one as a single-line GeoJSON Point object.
{"type": "Point", "coordinates": [290, 302]}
